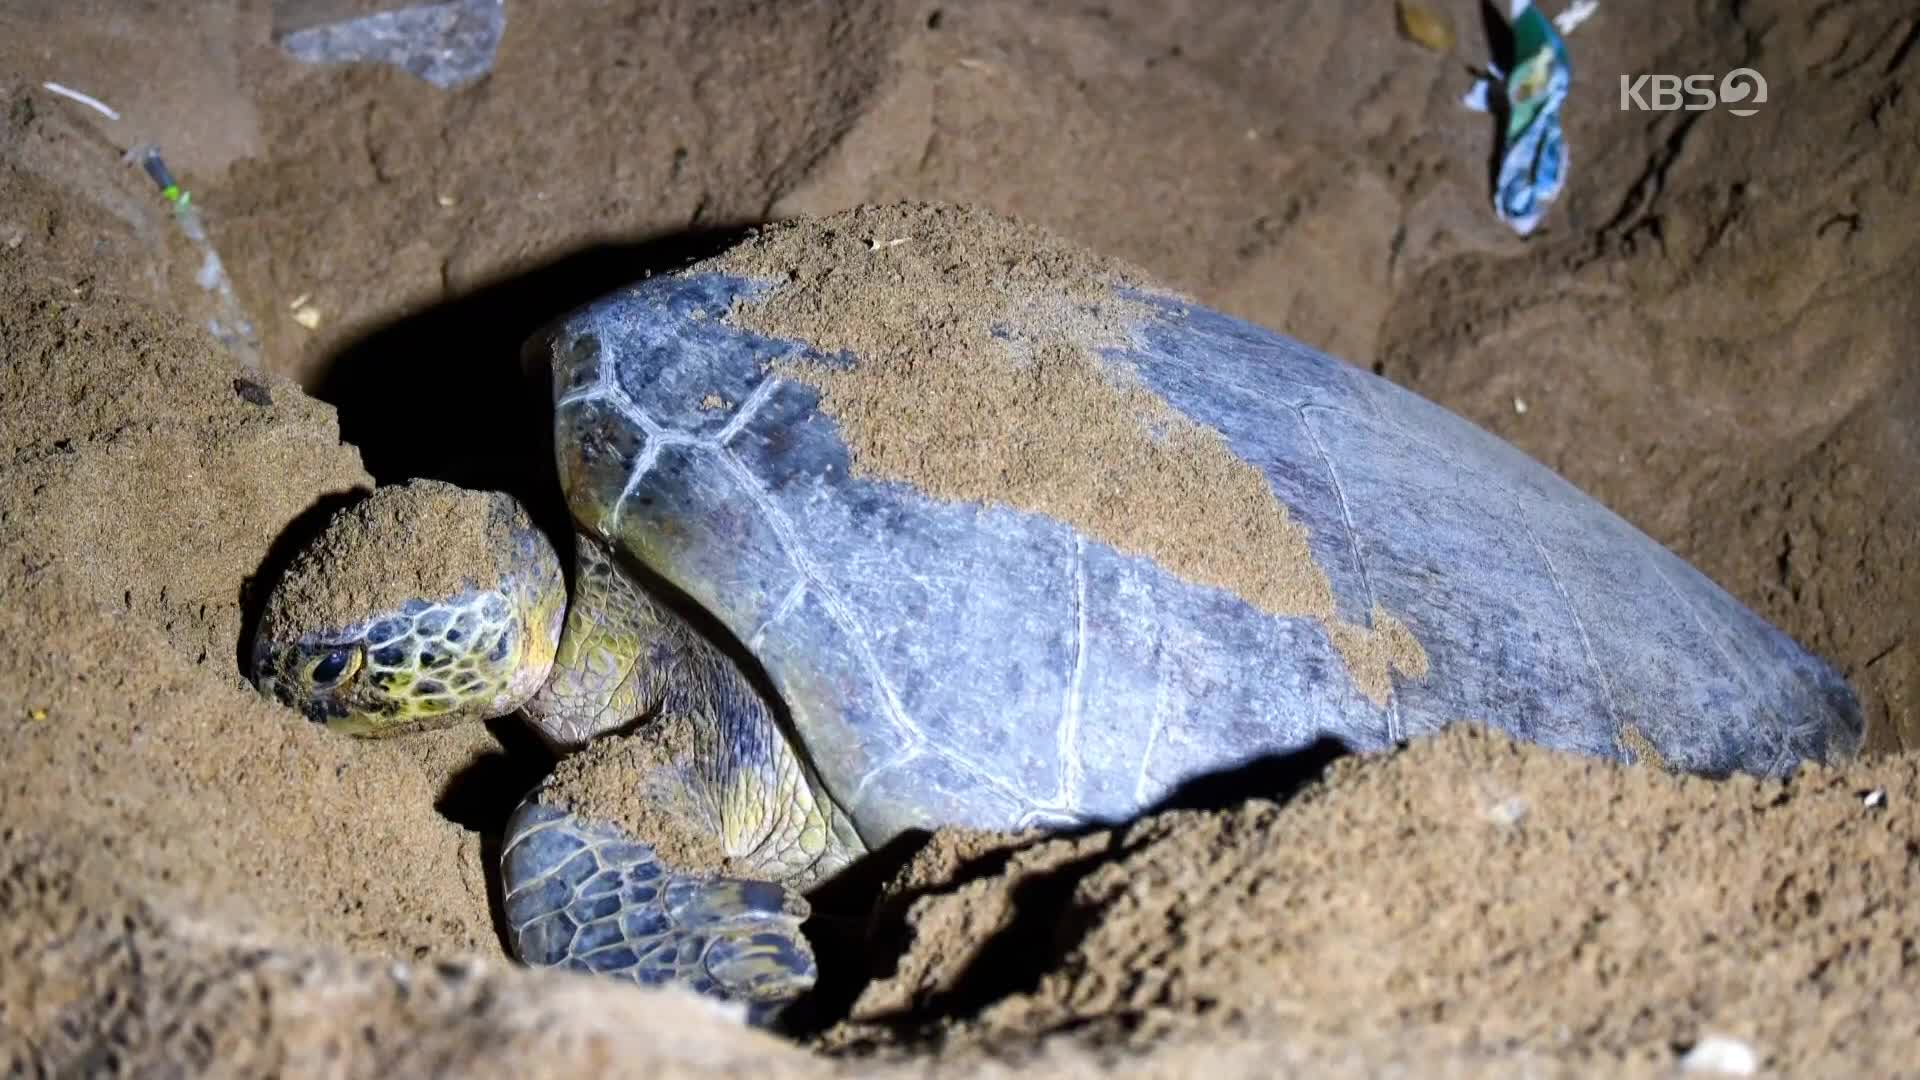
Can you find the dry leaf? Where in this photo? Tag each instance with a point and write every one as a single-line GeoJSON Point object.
{"type": "Point", "coordinates": [1424, 26]}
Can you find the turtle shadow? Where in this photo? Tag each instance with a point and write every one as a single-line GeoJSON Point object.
{"type": "Point", "coordinates": [440, 393]}
{"type": "Point", "coordinates": [1043, 924]}
{"type": "Point", "coordinates": [1500, 48]}
{"type": "Point", "coordinates": [1273, 777]}
{"type": "Point", "coordinates": [482, 796]}
{"type": "Point", "coordinates": [1040, 927]}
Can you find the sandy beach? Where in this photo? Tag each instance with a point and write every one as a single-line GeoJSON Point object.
{"type": "Point", "coordinates": [1714, 333]}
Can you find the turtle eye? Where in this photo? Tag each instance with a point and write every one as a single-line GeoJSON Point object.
{"type": "Point", "coordinates": [333, 666]}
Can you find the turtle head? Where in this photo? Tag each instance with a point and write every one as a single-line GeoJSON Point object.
{"type": "Point", "coordinates": [423, 605]}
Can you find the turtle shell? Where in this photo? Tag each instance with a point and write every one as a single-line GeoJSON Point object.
{"type": "Point", "coordinates": [946, 661]}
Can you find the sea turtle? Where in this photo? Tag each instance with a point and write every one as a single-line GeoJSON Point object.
{"type": "Point", "coordinates": [820, 649]}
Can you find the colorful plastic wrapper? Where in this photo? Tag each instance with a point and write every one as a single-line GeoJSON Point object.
{"type": "Point", "coordinates": [1533, 149]}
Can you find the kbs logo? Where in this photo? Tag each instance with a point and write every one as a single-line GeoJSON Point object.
{"type": "Point", "coordinates": [1664, 93]}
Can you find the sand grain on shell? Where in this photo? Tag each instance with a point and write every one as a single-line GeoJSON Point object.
{"type": "Point", "coordinates": [979, 381]}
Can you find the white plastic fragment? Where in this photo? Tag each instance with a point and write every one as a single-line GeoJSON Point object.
{"type": "Point", "coordinates": [88, 100]}
{"type": "Point", "coordinates": [1721, 1055]}
{"type": "Point", "coordinates": [1476, 96]}
{"type": "Point", "coordinates": [1876, 797]}
{"type": "Point", "coordinates": [1577, 12]}
{"type": "Point", "coordinates": [211, 271]}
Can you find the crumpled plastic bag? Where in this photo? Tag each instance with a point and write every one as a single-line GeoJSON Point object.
{"type": "Point", "coordinates": [1533, 149]}
{"type": "Point", "coordinates": [448, 44]}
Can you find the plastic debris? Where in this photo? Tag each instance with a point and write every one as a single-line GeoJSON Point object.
{"type": "Point", "coordinates": [447, 44]}
{"type": "Point", "coordinates": [1874, 799]}
{"type": "Point", "coordinates": [1533, 150]}
{"type": "Point", "coordinates": [1577, 12]}
{"type": "Point", "coordinates": [233, 329]}
{"type": "Point", "coordinates": [1718, 1054]}
{"type": "Point", "coordinates": [88, 100]}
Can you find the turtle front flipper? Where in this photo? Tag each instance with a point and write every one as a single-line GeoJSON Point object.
{"type": "Point", "coordinates": [585, 895]}
{"type": "Point", "coordinates": [668, 845]}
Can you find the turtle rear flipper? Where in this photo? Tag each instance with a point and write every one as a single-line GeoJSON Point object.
{"type": "Point", "coordinates": [586, 896]}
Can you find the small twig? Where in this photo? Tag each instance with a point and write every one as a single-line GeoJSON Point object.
{"type": "Point", "coordinates": [88, 100]}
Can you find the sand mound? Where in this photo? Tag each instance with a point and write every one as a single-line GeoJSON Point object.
{"type": "Point", "coordinates": [1475, 894]}
{"type": "Point", "coordinates": [133, 524]}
